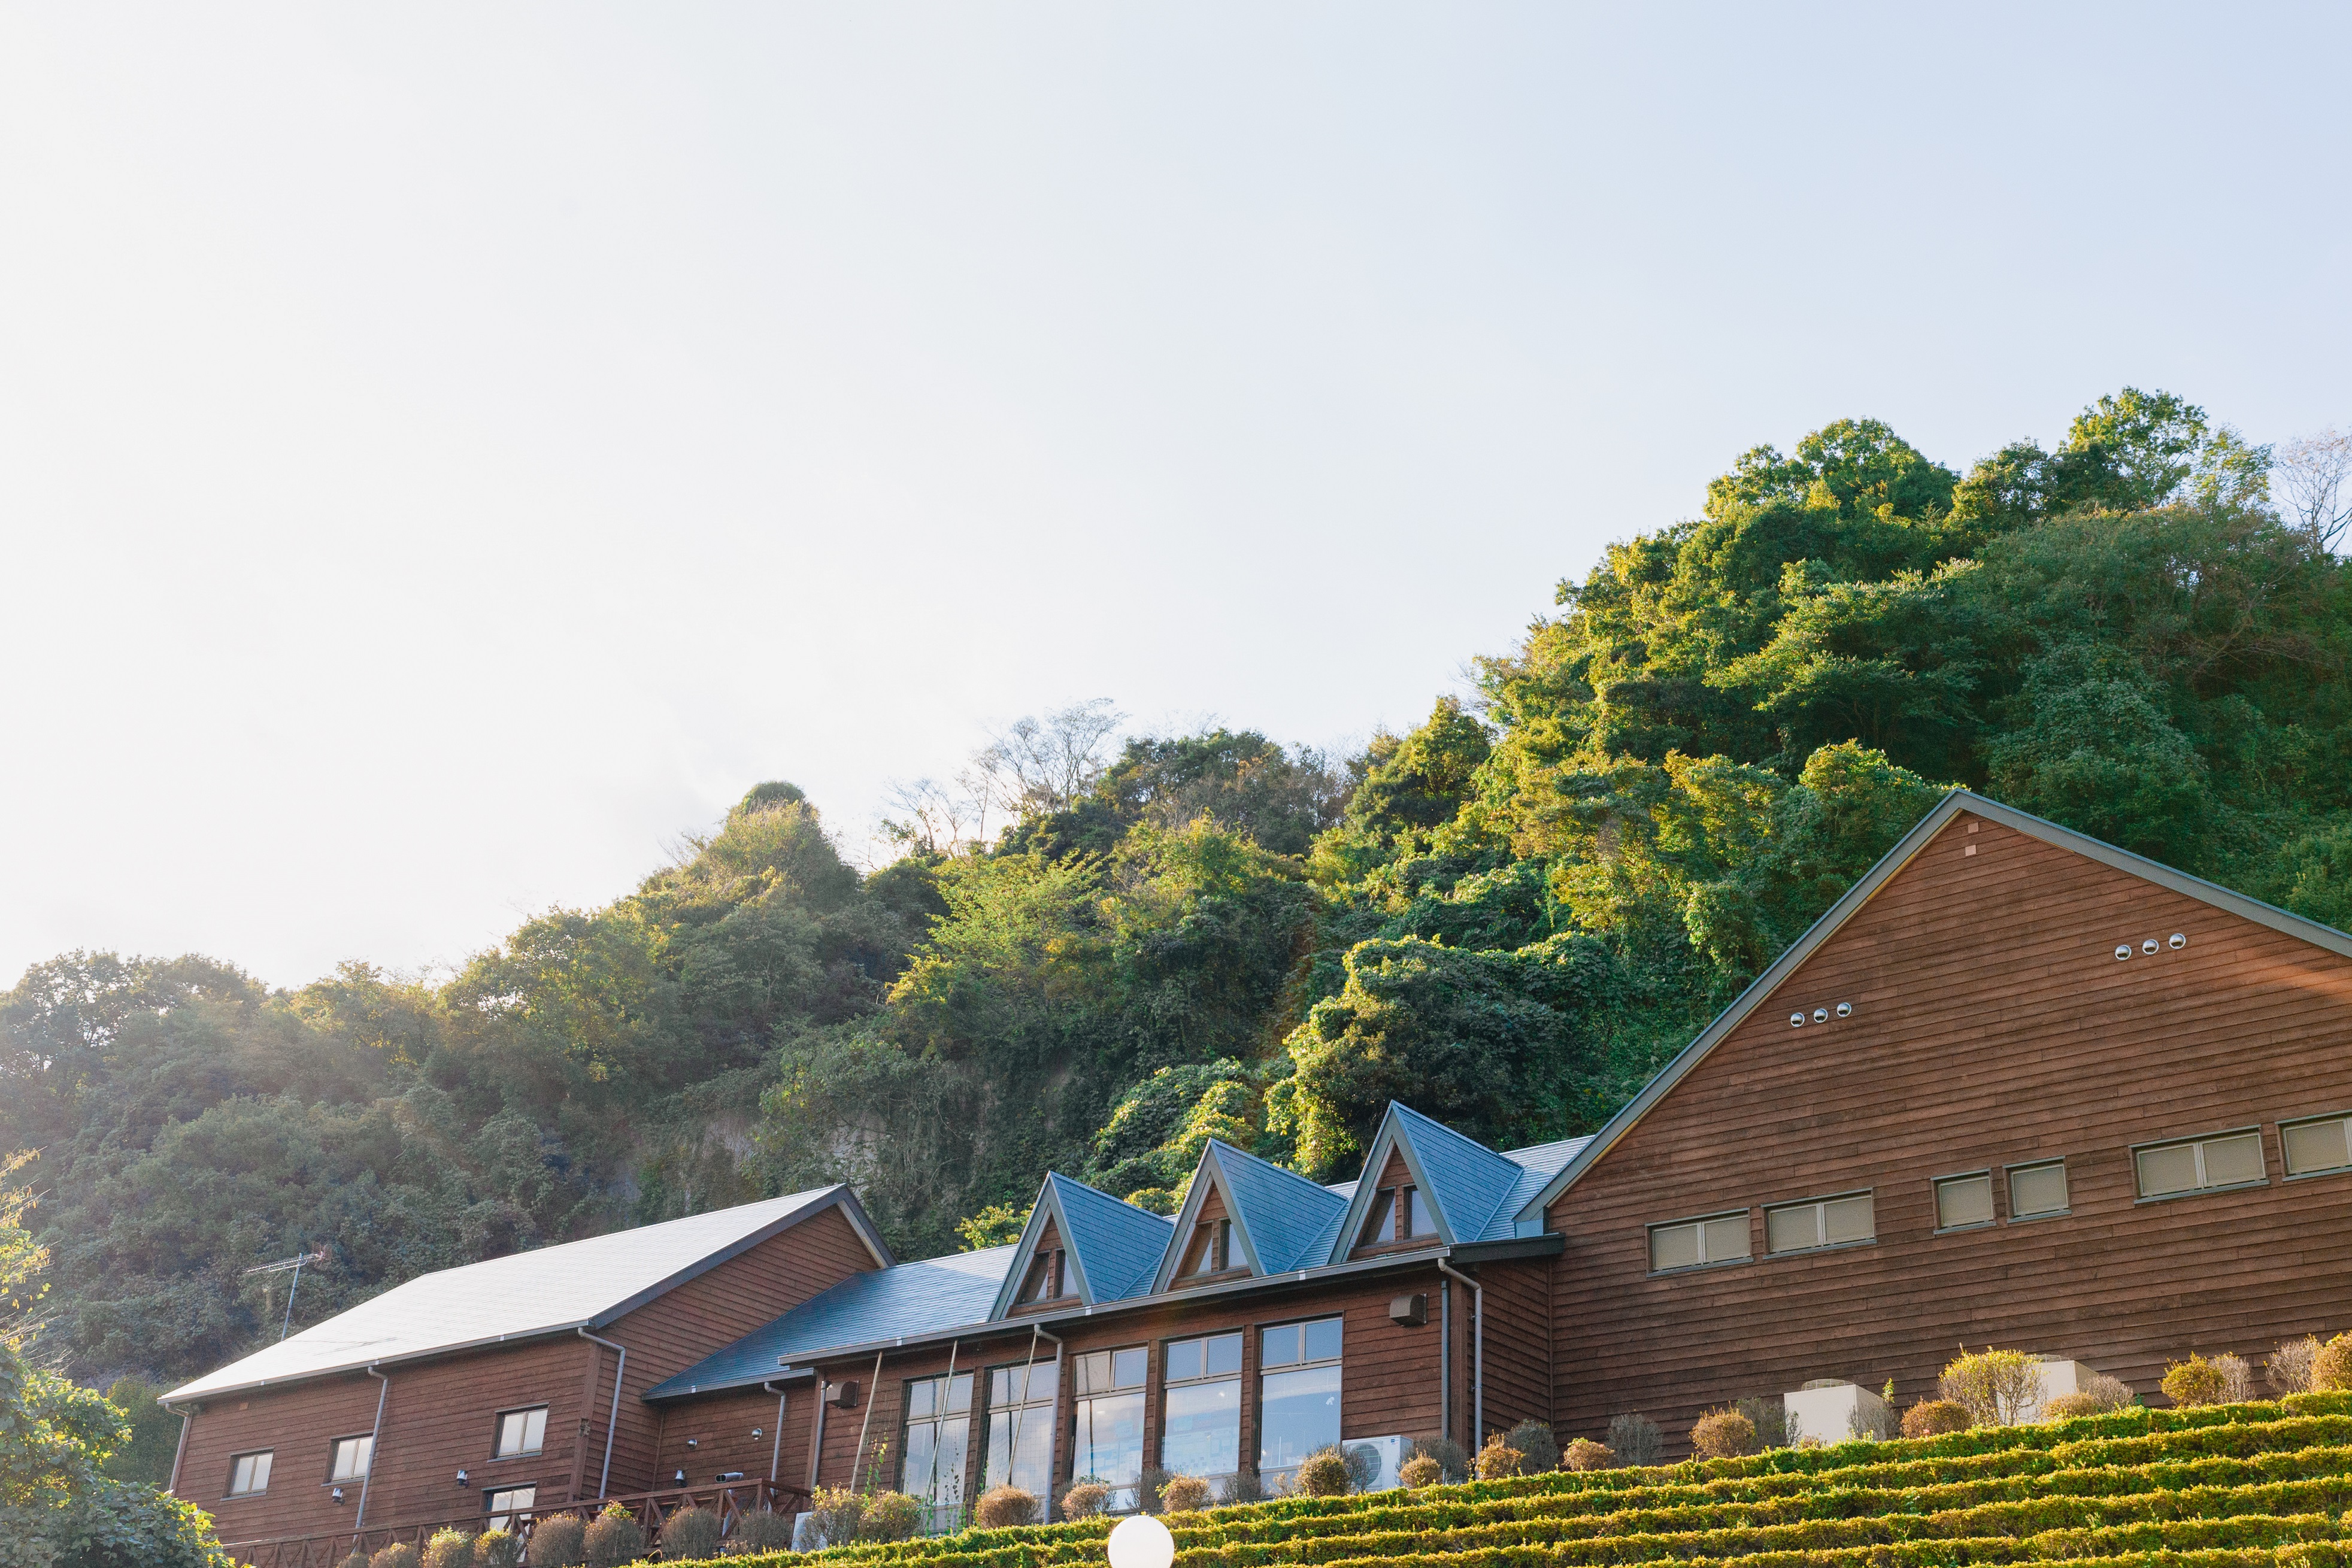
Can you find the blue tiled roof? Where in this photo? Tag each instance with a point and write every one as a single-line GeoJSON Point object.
{"type": "Point", "coordinates": [1469, 1180]}
{"type": "Point", "coordinates": [1118, 1246]}
{"type": "Point", "coordinates": [1284, 1213]}
{"type": "Point", "coordinates": [885, 1304]}
{"type": "Point", "coordinates": [1537, 1165]}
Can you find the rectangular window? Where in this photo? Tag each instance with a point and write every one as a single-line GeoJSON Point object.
{"type": "Point", "coordinates": [1297, 1395]}
{"type": "Point", "coordinates": [1964, 1201]}
{"type": "Point", "coordinates": [1824, 1222]}
{"type": "Point", "coordinates": [931, 1457]}
{"type": "Point", "coordinates": [1202, 1427]}
{"type": "Point", "coordinates": [1021, 1399]}
{"type": "Point", "coordinates": [1107, 1413]}
{"type": "Point", "coordinates": [1418, 1219]}
{"type": "Point", "coordinates": [2200, 1165]}
{"type": "Point", "coordinates": [351, 1459]}
{"type": "Point", "coordinates": [1212, 1249]}
{"type": "Point", "coordinates": [510, 1506]}
{"type": "Point", "coordinates": [1380, 1225]}
{"type": "Point", "coordinates": [520, 1432]}
{"type": "Point", "coordinates": [2315, 1146]}
{"type": "Point", "coordinates": [248, 1474]}
{"type": "Point", "coordinates": [1048, 1280]}
{"type": "Point", "coordinates": [1694, 1243]}
{"type": "Point", "coordinates": [2036, 1192]}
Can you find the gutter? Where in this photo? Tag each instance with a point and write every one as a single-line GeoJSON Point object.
{"type": "Point", "coordinates": [383, 1392]}
{"type": "Point", "coordinates": [188, 1419]}
{"type": "Point", "coordinates": [611, 1421]}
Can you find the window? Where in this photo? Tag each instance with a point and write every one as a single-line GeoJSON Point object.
{"type": "Point", "coordinates": [2315, 1146]}
{"type": "Point", "coordinates": [939, 1434]}
{"type": "Point", "coordinates": [510, 1506]}
{"type": "Point", "coordinates": [1047, 1280]}
{"type": "Point", "coordinates": [351, 1459]}
{"type": "Point", "coordinates": [248, 1474]}
{"type": "Point", "coordinates": [1297, 1394]}
{"type": "Point", "coordinates": [1380, 1225]}
{"type": "Point", "coordinates": [1963, 1202]}
{"type": "Point", "coordinates": [520, 1432]}
{"type": "Point", "coordinates": [1020, 1400]}
{"type": "Point", "coordinates": [1108, 1414]}
{"type": "Point", "coordinates": [1212, 1249]}
{"type": "Point", "coordinates": [1416, 1217]}
{"type": "Point", "coordinates": [2037, 1191]}
{"type": "Point", "coordinates": [1692, 1243]}
{"type": "Point", "coordinates": [1824, 1222]}
{"type": "Point", "coordinates": [2200, 1165]}
{"type": "Point", "coordinates": [1201, 1425]}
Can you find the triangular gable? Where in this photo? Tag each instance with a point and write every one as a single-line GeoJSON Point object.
{"type": "Point", "coordinates": [1279, 1216]}
{"type": "Point", "coordinates": [1529, 1219]}
{"type": "Point", "coordinates": [1464, 1181]}
{"type": "Point", "coordinates": [1108, 1244]}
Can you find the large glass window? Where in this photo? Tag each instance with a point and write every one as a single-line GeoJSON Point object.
{"type": "Point", "coordinates": [939, 1435]}
{"type": "Point", "coordinates": [2200, 1165]}
{"type": "Point", "coordinates": [510, 1506]}
{"type": "Point", "coordinates": [1297, 1394]}
{"type": "Point", "coordinates": [248, 1474]}
{"type": "Point", "coordinates": [521, 1432]}
{"type": "Point", "coordinates": [351, 1459]}
{"type": "Point", "coordinates": [1825, 1222]}
{"type": "Point", "coordinates": [1020, 1400]}
{"type": "Point", "coordinates": [1694, 1243]}
{"type": "Point", "coordinates": [1202, 1434]}
{"type": "Point", "coordinates": [1108, 1413]}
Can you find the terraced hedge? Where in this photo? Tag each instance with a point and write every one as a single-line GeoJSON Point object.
{"type": "Point", "coordinates": [2223, 1487]}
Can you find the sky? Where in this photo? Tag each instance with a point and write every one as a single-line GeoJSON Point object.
{"type": "Point", "coordinates": [449, 453]}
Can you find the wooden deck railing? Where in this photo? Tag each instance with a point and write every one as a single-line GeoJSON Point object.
{"type": "Point", "coordinates": [730, 1501]}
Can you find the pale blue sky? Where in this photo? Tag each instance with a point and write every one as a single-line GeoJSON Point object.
{"type": "Point", "coordinates": [447, 451]}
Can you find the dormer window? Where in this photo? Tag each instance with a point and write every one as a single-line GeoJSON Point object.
{"type": "Point", "coordinates": [1047, 1280]}
{"type": "Point", "coordinates": [1381, 1227]}
{"type": "Point", "coordinates": [1210, 1251]}
{"type": "Point", "coordinates": [1414, 1218]}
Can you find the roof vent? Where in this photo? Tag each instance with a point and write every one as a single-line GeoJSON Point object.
{"type": "Point", "coordinates": [1795, 1020]}
{"type": "Point", "coordinates": [1845, 1010]}
{"type": "Point", "coordinates": [2149, 946]}
{"type": "Point", "coordinates": [2123, 951]}
{"type": "Point", "coordinates": [2180, 939]}
{"type": "Point", "coordinates": [1820, 1015]}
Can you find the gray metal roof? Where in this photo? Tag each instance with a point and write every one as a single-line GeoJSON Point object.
{"type": "Point", "coordinates": [549, 1290]}
{"type": "Point", "coordinates": [1530, 1217]}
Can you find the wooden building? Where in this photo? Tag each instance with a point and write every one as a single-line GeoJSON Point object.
{"type": "Point", "coordinates": [2017, 1088]}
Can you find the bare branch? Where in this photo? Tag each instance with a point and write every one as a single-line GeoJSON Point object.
{"type": "Point", "coordinates": [2316, 472]}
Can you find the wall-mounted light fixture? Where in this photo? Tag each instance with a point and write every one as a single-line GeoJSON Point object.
{"type": "Point", "coordinates": [755, 1431]}
{"type": "Point", "coordinates": [694, 1442]}
{"type": "Point", "coordinates": [337, 1494]}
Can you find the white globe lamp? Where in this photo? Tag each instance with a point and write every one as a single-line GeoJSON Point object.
{"type": "Point", "coordinates": [1142, 1541]}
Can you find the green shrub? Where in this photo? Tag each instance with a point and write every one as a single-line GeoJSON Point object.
{"type": "Point", "coordinates": [1584, 1454]}
{"type": "Point", "coordinates": [1497, 1462]}
{"type": "Point", "coordinates": [1001, 1506]}
{"type": "Point", "coordinates": [1534, 1439]}
{"type": "Point", "coordinates": [399, 1555]}
{"type": "Point", "coordinates": [2066, 1407]}
{"type": "Point", "coordinates": [1084, 1499]}
{"type": "Point", "coordinates": [1636, 1439]}
{"type": "Point", "coordinates": [497, 1549]}
{"type": "Point", "coordinates": [2196, 1381]}
{"type": "Point", "coordinates": [835, 1513]}
{"type": "Point", "coordinates": [1184, 1494]}
{"type": "Point", "coordinates": [2331, 1368]}
{"type": "Point", "coordinates": [358, 1559]}
{"type": "Point", "coordinates": [763, 1531]}
{"type": "Point", "coordinates": [1723, 1435]}
{"type": "Point", "coordinates": [614, 1537]}
{"type": "Point", "coordinates": [891, 1516]}
{"type": "Point", "coordinates": [1933, 1417]}
{"type": "Point", "coordinates": [449, 1548]}
{"type": "Point", "coordinates": [558, 1542]}
{"type": "Point", "coordinates": [1325, 1473]}
{"type": "Point", "coordinates": [1452, 1457]}
{"type": "Point", "coordinates": [1421, 1470]}
{"type": "Point", "coordinates": [1996, 1387]}
{"type": "Point", "coordinates": [1770, 1420]}
{"type": "Point", "coordinates": [689, 1533]}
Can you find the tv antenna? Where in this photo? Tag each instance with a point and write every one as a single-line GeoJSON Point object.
{"type": "Point", "coordinates": [281, 1267]}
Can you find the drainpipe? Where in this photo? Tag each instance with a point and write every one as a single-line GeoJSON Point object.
{"type": "Point", "coordinates": [873, 1387]}
{"type": "Point", "coordinates": [604, 1477]}
{"type": "Point", "coordinates": [1445, 1358]}
{"type": "Point", "coordinates": [1478, 1350]}
{"type": "Point", "coordinates": [817, 1444]}
{"type": "Point", "coordinates": [374, 1433]}
{"type": "Point", "coordinates": [776, 1454]}
{"type": "Point", "coordinates": [188, 1419]}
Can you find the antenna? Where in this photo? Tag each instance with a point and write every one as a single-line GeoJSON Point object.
{"type": "Point", "coordinates": [280, 1267]}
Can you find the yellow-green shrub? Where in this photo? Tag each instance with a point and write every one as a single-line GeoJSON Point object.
{"type": "Point", "coordinates": [2195, 1382]}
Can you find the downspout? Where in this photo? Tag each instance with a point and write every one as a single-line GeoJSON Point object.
{"type": "Point", "coordinates": [817, 1444]}
{"type": "Point", "coordinates": [1478, 1351]}
{"type": "Point", "coordinates": [613, 1420]}
{"type": "Point", "coordinates": [374, 1432]}
{"type": "Point", "coordinates": [866, 1426]}
{"type": "Point", "coordinates": [188, 1419]}
{"type": "Point", "coordinates": [776, 1454]}
{"type": "Point", "coordinates": [1445, 1358]}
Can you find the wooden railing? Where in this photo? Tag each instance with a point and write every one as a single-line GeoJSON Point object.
{"type": "Point", "coordinates": [730, 1501]}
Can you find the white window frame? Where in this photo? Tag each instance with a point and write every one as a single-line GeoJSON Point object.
{"type": "Point", "coordinates": [267, 1455]}
{"type": "Point", "coordinates": [506, 1518]}
{"type": "Point", "coordinates": [1820, 1206]}
{"type": "Point", "coordinates": [2009, 1175]}
{"type": "Point", "coordinates": [336, 1474]}
{"type": "Point", "coordinates": [2198, 1143]}
{"type": "Point", "coordinates": [2285, 1127]}
{"type": "Point", "coordinates": [1699, 1224]}
{"type": "Point", "coordinates": [499, 1438]}
{"type": "Point", "coordinates": [1936, 1189]}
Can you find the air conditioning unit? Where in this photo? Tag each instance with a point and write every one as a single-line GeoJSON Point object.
{"type": "Point", "coordinates": [1388, 1453]}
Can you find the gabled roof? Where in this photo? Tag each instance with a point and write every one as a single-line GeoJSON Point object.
{"type": "Point", "coordinates": [898, 1302]}
{"type": "Point", "coordinates": [1112, 1246]}
{"type": "Point", "coordinates": [1530, 1217]}
{"type": "Point", "coordinates": [1279, 1215]}
{"type": "Point", "coordinates": [549, 1290]}
{"type": "Point", "coordinates": [1474, 1191]}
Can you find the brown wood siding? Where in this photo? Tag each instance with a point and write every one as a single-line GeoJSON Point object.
{"type": "Point", "coordinates": [1518, 1343]}
{"type": "Point", "coordinates": [1992, 1025]}
{"type": "Point", "coordinates": [736, 1431]}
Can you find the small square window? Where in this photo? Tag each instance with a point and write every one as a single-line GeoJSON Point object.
{"type": "Point", "coordinates": [351, 1459]}
{"type": "Point", "coordinates": [2036, 1191]}
{"type": "Point", "coordinates": [1962, 1202]}
{"type": "Point", "coordinates": [248, 1474]}
{"type": "Point", "coordinates": [510, 1505]}
{"type": "Point", "coordinates": [521, 1432]}
{"type": "Point", "coordinates": [2200, 1165]}
{"type": "Point", "coordinates": [2315, 1146]}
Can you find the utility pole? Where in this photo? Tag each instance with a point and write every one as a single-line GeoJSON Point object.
{"type": "Point", "coordinates": [280, 1267]}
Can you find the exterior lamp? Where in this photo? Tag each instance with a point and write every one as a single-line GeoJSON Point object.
{"type": "Point", "coordinates": [337, 1494]}
{"type": "Point", "coordinates": [1142, 1541]}
{"type": "Point", "coordinates": [461, 1477]}
{"type": "Point", "coordinates": [681, 1478]}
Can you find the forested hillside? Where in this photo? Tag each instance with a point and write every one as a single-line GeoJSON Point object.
{"type": "Point", "coordinates": [1507, 915]}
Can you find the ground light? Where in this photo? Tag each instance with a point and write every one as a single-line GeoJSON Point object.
{"type": "Point", "coordinates": [1142, 1541]}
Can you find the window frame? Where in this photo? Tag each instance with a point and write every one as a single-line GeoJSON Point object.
{"type": "Point", "coordinates": [1380, 1224]}
{"type": "Point", "coordinates": [2009, 1186]}
{"type": "Point", "coordinates": [514, 1511]}
{"type": "Point", "coordinates": [335, 1452]}
{"type": "Point", "coordinates": [1125, 1496]}
{"type": "Point", "coordinates": [499, 1432]}
{"type": "Point", "coordinates": [1936, 1192]}
{"type": "Point", "coordinates": [2198, 1142]}
{"type": "Point", "coordinates": [1256, 1370]}
{"type": "Point", "coordinates": [1747, 1217]}
{"type": "Point", "coordinates": [2286, 1168]}
{"type": "Point", "coordinates": [1413, 1206]}
{"type": "Point", "coordinates": [938, 1515]}
{"type": "Point", "coordinates": [230, 1492]}
{"type": "Point", "coordinates": [1821, 1204]}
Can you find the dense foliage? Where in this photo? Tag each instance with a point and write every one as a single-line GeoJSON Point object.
{"type": "Point", "coordinates": [1508, 915]}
